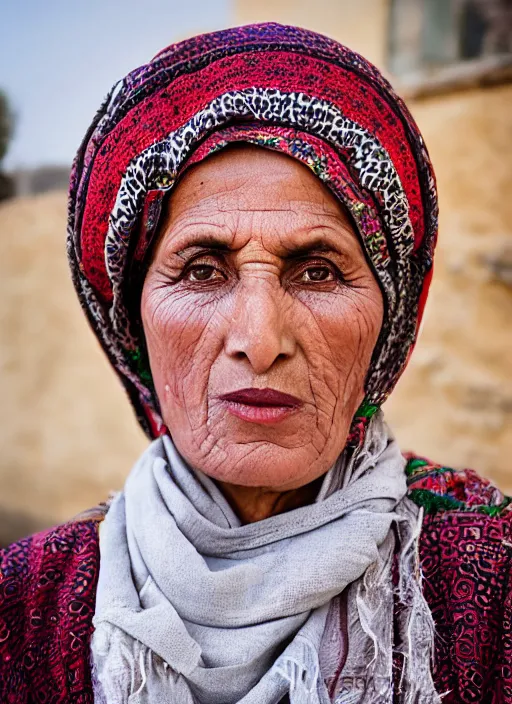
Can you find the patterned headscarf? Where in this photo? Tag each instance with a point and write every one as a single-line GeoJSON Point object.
{"type": "Point", "coordinates": [282, 88]}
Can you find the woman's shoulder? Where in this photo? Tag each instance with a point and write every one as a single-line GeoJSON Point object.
{"type": "Point", "coordinates": [439, 489]}
{"type": "Point", "coordinates": [467, 520]}
{"type": "Point", "coordinates": [47, 593]}
{"type": "Point", "coordinates": [465, 552]}
{"type": "Point", "coordinates": [60, 544]}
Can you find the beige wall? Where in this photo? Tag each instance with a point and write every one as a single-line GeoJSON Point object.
{"type": "Point", "coordinates": [455, 400]}
{"type": "Point", "coordinates": [67, 435]}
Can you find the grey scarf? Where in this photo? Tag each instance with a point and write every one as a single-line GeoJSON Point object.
{"type": "Point", "coordinates": [193, 607]}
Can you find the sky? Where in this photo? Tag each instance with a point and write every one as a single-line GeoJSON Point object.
{"type": "Point", "coordinates": [59, 58]}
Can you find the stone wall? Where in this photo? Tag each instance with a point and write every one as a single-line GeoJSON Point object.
{"type": "Point", "coordinates": [455, 400]}
{"type": "Point", "coordinates": [66, 429]}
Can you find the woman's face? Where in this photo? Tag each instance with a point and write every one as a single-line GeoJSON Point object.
{"type": "Point", "coordinates": [258, 285]}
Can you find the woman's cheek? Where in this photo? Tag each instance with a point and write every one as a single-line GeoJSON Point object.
{"type": "Point", "coordinates": [181, 344]}
{"type": "Point", "coordinates": [344, 329]}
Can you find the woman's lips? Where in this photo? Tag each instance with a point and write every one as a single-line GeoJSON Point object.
{"type": "Point", "coordinates": [264, 406]}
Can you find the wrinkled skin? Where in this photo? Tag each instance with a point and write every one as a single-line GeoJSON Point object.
{"type": "Point", "coordinates": [259, 280]}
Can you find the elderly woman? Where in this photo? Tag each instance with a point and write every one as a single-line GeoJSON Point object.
{"type": "Point", "coordinates": [251, 227]}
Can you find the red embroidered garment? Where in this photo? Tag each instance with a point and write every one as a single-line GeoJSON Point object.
{"type": "Point", "coordinates": [48, 582]}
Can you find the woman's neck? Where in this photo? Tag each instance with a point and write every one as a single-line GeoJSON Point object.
{"type": "Point", "coordinates": [252, 503]}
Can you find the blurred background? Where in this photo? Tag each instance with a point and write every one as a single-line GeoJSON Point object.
{"type": "Point", "coordinates": [67, 434]}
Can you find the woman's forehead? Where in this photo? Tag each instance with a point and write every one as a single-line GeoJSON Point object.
{"type": "Point", "coordinates": [252, 178]}
{"type": "Point", "coordinates": [285, 237]}
{"type": "Point", "coordinates": [252, 189]}
{"type": "Point", "coordinates": [286, 231]}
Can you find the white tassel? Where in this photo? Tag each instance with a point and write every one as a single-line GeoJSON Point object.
{"type": "Point", "coordinates": [302, 677]}
{"type": "Point", "coordinates": [348, 698]}
{"type": "Point", "coordinates": [143, 675]}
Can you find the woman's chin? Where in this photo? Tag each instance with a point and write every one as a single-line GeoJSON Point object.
{"type": "Point", "coordinates": [263, 464]}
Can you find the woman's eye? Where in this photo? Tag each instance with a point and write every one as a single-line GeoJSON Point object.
{"type": "Point", "coordinates": [203, 272]}
{"type": "Point", "coordinates": [316, 274]}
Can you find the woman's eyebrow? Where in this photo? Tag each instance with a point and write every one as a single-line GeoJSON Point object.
{"type": "Point", "coordinates": [207, 242]}
{"type": "Point", "coordinates": [309, 248]}
{"type": "Point", "coordinates": [221, 244]}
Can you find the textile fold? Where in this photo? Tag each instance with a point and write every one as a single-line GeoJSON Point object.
{"type": "Point", "coordinates": [194, 607]}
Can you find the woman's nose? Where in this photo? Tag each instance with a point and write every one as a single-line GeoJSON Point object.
{"type": "Point", "coordinates": [258, 330]}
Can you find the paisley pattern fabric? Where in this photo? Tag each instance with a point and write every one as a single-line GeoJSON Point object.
{"type": "Point", "coordinates": [48, 585]}
{"type": "Point", "coordinates": [47, 594]}
{"type": "Point", "coordinates": [285, 89]}
{"type": "Point", "coordinates": [466, 559]}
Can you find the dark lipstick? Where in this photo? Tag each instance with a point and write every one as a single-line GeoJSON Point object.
{"type": "Point", "coordinates": [264, 406]}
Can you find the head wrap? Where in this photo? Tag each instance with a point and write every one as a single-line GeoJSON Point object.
{"type": "Point", "coordinates": [283, 88]}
